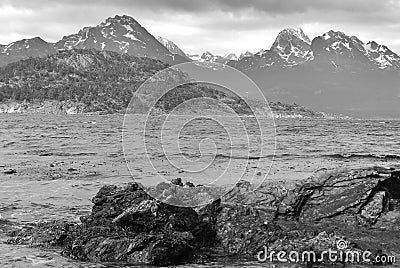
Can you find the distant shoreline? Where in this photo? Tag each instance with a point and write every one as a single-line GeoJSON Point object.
{"type": "Point", "coordinates": [71, 107]}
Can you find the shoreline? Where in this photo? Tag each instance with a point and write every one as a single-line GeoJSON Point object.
{"type": "Point", "coordinates": [71, 108]}
{"type": "Point", "coordinates": [358, 205]}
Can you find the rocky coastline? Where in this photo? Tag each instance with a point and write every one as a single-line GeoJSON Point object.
{"type": "Point", "coordinates": [280, 110]}
{"type": "Point", "coordinates": [53, 107]}
{"type": "Point", "coordinates": [360, 207]}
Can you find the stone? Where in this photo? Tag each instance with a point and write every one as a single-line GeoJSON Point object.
{"type": "Point", "coordinates": [126, 225]}
{"type": "Point", "coordinates": [177, 181]}
{"type": "Point", "coordinates": [189, 184]}
{"type": "Point", "coordinates": [10, 171]}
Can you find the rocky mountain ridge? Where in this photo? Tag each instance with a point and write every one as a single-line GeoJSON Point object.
{"type": "Point", "coordinates": [122, 34]}
{"type": "Point", "coordinates": [293, 47]}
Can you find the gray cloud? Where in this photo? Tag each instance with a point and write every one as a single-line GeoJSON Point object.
{"type": "Point", "coordinates": [219, 26]}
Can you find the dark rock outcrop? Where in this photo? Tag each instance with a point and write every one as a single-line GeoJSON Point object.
{"type": "Point", "coordinates": [126, 225]}
{"type": "Point", "coordinates": [177, 181]}
{"type": "Point", "coordinates": [361, 207]}
{"type": "Point", "coordinates": [9, 171]}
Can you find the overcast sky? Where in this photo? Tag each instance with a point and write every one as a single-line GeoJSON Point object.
{"type": "Point", "coordinates": [218, 26]}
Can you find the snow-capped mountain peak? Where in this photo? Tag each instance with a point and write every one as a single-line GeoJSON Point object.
{"type": "Point", "coordinates": [117, 33]}
{"type": "Point", "coordinates": [231, 56]}
{"type": "Point", "coordinates": [121, 34]}
{"type": "Point", "coordinates": [340, 51]}
{"type": "Point", "coordinates": [293, 45]}
{"type": "Point", "coordinates": [23, 44]}
{"type": "Point", "coordinates": [382, 55]}
{"type": "Point", "coordinates": [295, 32]}
{"type": "Point", "coordinates": [34, 47]}
{"type": "Point", "coordinates": [339, 42]}
{"type": "Point", "coordinates": [210, 57]}
{"type": "Point", "coordinates": [343, 50]}
{"type": "Point", "coordinates": [246, 54]}
{"type": "Point", "coordinates": [171, 46]}
{"type": "Point", "coordinates": [123, 20]}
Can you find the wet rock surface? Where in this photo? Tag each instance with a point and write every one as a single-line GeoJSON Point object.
{"type": "Point", "coordinates": [9, 171]}
{"type": "Point", "coordinates": [357, 206]}
{"type": "Point", "coordinates": [361, 207]}
{"type": "Point", "coordinates": [186, 195]}
{"type": "Point", "coordinates": [126, 225]}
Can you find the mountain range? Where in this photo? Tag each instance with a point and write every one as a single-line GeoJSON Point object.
{"type": "Point", "coordinates": [122, 34]}
{"type": "Point", "coordinates": [333, 72]}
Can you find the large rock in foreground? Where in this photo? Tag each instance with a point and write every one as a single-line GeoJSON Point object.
{"type": "Point", "coordinates": [361, 207]}
{"type": "Point", "coordinates": [126, 225]}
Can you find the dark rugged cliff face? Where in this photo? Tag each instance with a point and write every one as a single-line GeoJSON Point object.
{"type": "Point", "coordinates": [126, 225]}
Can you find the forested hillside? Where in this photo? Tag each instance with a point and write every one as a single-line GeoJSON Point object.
{"type": "Point", "coordinates": [97, 79]}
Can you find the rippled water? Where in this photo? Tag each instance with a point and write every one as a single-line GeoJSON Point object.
{"type": "Point", "coordinates": [62, 161]}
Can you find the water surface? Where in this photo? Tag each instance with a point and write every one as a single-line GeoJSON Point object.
{"type": "Point", "coordinates": [61, 161]}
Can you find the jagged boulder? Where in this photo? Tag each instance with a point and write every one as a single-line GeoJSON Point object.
{"type": "Point", "coordinates": [361, 206]}
{"type": "Point", "coordinates": [126, 225]}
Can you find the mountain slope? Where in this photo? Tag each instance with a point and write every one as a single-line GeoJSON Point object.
{"type": "Point", "coordinates": [291, 47]}
{"type": "Point", "coordinates": [208, 57]}
{"type": "Point", "coordinates": [171, 46]}
{"type": "Point", "coordinates": [246, 54]}
{"type": "Point", "coordinates": [231, 56]}
{"type": "Point", "coordinates": [349, 52]}
{"type": "Point", "coordinates": [25, 48]}
{"type": "Point", "coordinates": [382, 56]}
{"type": "Point", "coordinates": [341, 51]}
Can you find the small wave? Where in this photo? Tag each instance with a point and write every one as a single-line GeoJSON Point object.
{"type": "Point", "coordinates": [249, 157]}
{"type": "Point", "coordinates": [375, 156]}
{"type": "Point", "coordinates": [9, 144]}
{"type": "Point", "coordinates": [246, 157]}
{"type": "Point", "coordinates": [66, 154]}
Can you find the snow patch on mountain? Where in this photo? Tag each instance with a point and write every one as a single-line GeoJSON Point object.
{"type": "Point", "coordinates": [231, 56]}
{"type": "Point", "coordinates": [292, 45]}
{"type": "Point", "coordinates": [121, 34]}
{"type": "Point", "coordinates": [338, 44]}
{"type": "Point", "coordinates": [171, 46]}
{"type": "Point", "coordinates": [382, 55]}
